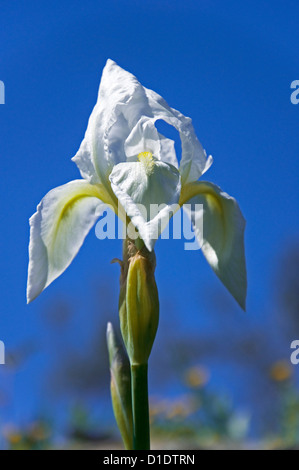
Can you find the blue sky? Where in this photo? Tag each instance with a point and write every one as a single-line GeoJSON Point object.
{"type": "Point", "coordinates": [228, 65]}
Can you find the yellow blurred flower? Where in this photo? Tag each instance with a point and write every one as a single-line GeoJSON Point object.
{"type": "Point", "coordinates": [197, 377]}
{"type": "Point", "coordinates": [11, 434]}
{"type": "Point", "coordinates": [158, 407]}
{"type": "Point", "coordinates": [281, 371]}
{"type": "Point", "coordinates": [14, 438]}
{"type": "Point", "coordinates": [178, 410]}
{"type": "Point", "coordinates": [181, 408]}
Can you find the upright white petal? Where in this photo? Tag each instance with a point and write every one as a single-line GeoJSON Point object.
{"type": "Point", "coordinates": [148, 195]}
{"type": "Point", "coordinates": [121, 103]}
{"type": "Point", "coordinates": [57, 230]}
{"type": "Point", "coordinates": [222, 240]}
{"type": "Point", "coordinates": [142, 138]}
{"type": "Point", "coordinates": [145, 137]}
{"type": "Point", "coordinates": [122, 125]}
{"type": "Point", "coordinates": [194, 161]}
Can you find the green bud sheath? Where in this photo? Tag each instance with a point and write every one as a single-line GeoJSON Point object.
{"type": "Point", "coordinates": [139, 302]}
{"type": "Point", "coordinates": [120, 387]}
{"type": "Point", "coordinates": [139, 318]}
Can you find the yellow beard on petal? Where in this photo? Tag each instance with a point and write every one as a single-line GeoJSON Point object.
{"type": "Point", "coordinates": [146, 158]}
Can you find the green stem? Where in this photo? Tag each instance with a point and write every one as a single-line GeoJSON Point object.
{"type": "Point", "coordinates": [140, 407]}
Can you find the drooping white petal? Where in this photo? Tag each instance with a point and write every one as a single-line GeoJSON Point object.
{"type": "Point", "coordinates": [122, 125]}
{"type": "Point", "coordinates": [222, 240]}
{"type": "Point", "coordinates": [57, 230]}
{"type": "Point", "coordinates": [149, 195]}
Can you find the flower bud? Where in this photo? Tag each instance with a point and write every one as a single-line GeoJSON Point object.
{"type": "Point", "coordinates": [120, 387]}
{"type": "Point", "coordinates": [139, 302]}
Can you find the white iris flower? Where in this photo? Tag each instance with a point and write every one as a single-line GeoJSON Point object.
{"type": "Point", "coordinates": [125, 162]}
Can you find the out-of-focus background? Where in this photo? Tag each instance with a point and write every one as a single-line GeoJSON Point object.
{"type": "Point", "coordinates": [219, 378]}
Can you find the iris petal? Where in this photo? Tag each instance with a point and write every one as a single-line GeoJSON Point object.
{"type": "Point", "coordinates": [57, 230]}
{"type": "Point", "coordinates": [122, 124]}
{"type": "Point", "coordinates": [148, 194]}
{"type": "Point", "coordinates": [222, 239]}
